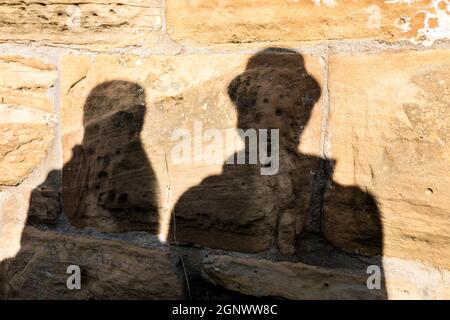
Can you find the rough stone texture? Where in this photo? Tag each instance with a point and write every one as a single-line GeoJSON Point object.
{"type": "Point", "coordinates": [378, 114]}
{"type": "Point", "coordinates": [45, 199]}
{"type": "Point", "coordinates": [26, 123]}
{"type": "Point", "coordinates": [36, 201]}
{"type": "Point", "coordinates": [95, 25]}
{"type": "Point", "coordinates": [175, 96]}
{"type": "Point", "coordinates": [222, 21]}
{"type": "Point", "coordinates": [265, 278]}
{"type": "Point", "coordinates": [109, 269]}
{"type": "Point", "coordinates": [389, 132]}
{"type": "Point", "coordinates": [13, 216]}
{"type": "Point", "coordinates": [24, 146]}
{"type": "Point", "coordinates": [25, 82]}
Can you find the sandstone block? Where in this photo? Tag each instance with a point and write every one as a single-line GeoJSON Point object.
{"type": "Point", "coordinates": [24, 205]}
{"type": "Point", "coordinates": [264, 278]}
{"type": "Point", "coordinates": [389, 132]}
{"type": "Point", "coordinates": [109, 269]}
{"type": "Point", "coordinates": [13, 217]}
{"type": "Point", "coordinates": [26, 116]}
{"type": "Point", "coordinates": [222, 21]}
{"type": "Point", "coordinates": [401, 279]}
{"type": "Point", "coordinates": [95, 25]}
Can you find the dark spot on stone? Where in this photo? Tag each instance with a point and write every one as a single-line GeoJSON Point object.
{"type": "Point", "coordinates": [258, 116]}
{"type": "Point", "coordinates": [111, 195]}
{"type": "Point", "coordinates": [123, 198]}
{"type": "Point", "coordinates": [102, 174]}
{"type": "Point", "coordinates": [107, 160]}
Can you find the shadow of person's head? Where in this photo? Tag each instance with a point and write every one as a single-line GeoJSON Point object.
{"type": "Point", "coordinates": [109, 182]}
{"type": "Point", "coordinates": [275, 92]}
{"type": "Point", "coordinates": [115, 100]}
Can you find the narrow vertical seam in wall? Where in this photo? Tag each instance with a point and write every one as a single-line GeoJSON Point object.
{"type": "Point", "coordinates": [324, 137]}
{"type": "Point", "coordinates": [57, 104]}
{"type": "Point", "coordinates": [163, 16]}
{"type": "Point", "coordinates": [321, 177]}
{"type": "Point", "coordinates": [58, 129]}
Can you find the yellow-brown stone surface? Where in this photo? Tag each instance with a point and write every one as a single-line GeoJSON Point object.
{"type": "Point", "coordinates": [96, 25]}
{"type": "Point", "coordinates": [242, 21]}
{"type": "Point", "coordinates": [121, 123]}
{"type": "Point", "coordinates": [300, 281]}
{"type": "Point", "coordinates": [389, 132]}
{"type": "Point", "coordinates": [176, 93]}
{"type": "Point", "coordinates": [26, 116]}
{"type": "Point", "coordinates": [109, 269]}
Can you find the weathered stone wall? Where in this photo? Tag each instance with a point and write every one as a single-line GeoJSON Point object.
{"type": "Point", "coordinates": [92, 93]}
